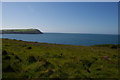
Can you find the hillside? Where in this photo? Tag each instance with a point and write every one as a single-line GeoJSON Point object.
{"type": "Point", "coordinates": [20, 31]}
{"type": "Point", "coordinates": [22, 59]}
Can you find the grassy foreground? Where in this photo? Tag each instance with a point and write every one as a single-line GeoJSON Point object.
{"type": "Point", "coordinates": [23, 59]}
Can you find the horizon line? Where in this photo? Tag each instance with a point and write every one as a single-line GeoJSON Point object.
{"type": "Point", "coordinates": [61, 32]}
{"type": "Point", "coordinates": [80, 33]}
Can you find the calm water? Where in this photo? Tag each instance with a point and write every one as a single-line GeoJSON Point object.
{"type": "Point", "coordinates": [63, 38]}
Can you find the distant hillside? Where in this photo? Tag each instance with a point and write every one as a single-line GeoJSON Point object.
{"type": "Point", "coordinates": [20, 31]}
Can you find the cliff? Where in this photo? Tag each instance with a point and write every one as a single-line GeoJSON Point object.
{"type": "Point", "coordinates": [21, 31]}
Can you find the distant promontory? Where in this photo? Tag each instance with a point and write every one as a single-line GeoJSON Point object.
{"type": "Point", "coordinates": [20, 31]}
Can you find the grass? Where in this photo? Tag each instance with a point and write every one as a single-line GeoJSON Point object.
{"type": "Point", "coordinates": [22, 59]}
{"type": "Point", "coordinates": [22, 30]}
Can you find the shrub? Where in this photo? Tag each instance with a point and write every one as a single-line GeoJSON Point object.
{"type": "Point", "coordinates": [4, 52]}
{"type": "Point", "coordinates": [29, 48]}
{"type": "Point", "coordinates": [8, 69]}
{"type": "Point", "coordinates": [31, 59]}
{"type": "Point", "coordinates": [7, 58]}
{"type": "Point", "coordinates": [114, 46]}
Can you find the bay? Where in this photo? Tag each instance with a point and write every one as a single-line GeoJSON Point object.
{"type": "Point", "coordinates": [66, 38]}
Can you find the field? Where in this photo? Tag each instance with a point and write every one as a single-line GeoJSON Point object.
{"type": "Point", "coordinates": [22, 59]}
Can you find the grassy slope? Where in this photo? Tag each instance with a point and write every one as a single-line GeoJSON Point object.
{"type": "Point", "coordinates": [20, 31]}
{"type": "Point", "coordinates": [39, 60]}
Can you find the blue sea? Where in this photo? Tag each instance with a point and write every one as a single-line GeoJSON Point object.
{"type": "Point", "coordinates": [66, 38]}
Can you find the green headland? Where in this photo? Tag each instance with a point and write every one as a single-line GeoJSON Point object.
{"type": "Point", "coordinates": [20, 31]}
{"type": "Point", "coordinates": [22, 59]}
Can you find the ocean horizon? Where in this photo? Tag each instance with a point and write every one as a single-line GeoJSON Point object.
{"type": "Point", "coordinates": [83, 39]}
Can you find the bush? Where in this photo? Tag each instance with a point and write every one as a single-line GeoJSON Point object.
{"type": "Point", "coordinates": [31, 59]}
{"type": "Point", "coordinates": [114, 46]}
{"type": "Point", "coordinates": [29, 48]}
{"type": "Point", "coordinates": [7, 58]}
{"type": "Point", "coordinates": [4, 52]}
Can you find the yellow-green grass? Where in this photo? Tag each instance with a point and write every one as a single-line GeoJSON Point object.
{"type": "Point", "coordinates": [22, 59]}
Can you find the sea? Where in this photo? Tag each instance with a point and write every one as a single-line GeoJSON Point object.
{"type": "Point", "coordinates": [66, 38]}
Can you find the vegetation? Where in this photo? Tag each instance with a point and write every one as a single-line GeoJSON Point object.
{"type": "Point", "coordinates": [22, 59]}
{"type": "Point", "coordinates": [20, 31]}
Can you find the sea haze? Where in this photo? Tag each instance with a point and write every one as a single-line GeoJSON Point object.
{"type": "Point", "coordinates": [66, 38]}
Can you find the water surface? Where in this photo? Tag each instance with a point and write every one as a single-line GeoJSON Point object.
{"type": "Point", "coordinates": [65, 38]}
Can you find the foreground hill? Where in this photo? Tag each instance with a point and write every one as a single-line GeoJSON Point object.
{"type": "Point", "coordinates": [22, 59]}
{"type": "Point", "coordinates": [20, 31]}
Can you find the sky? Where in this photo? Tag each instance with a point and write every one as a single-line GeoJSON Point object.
{"type": "Point", "coordinates": [62, 17]}
{"type": "Point", "coordinates": [60, 0]}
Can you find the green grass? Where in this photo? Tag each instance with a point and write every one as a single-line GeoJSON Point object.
{"type": "Point", "coordinates": [23, 59]}
{"type": "Point", "coordinates": [19, 30]}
